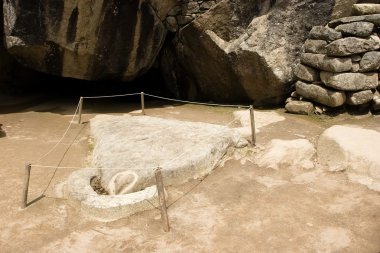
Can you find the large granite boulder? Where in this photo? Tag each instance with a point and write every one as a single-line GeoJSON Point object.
{"type": "Point", "coordinates": [86, 39]}
{"type": "Point", "coordinates": [242, 49]}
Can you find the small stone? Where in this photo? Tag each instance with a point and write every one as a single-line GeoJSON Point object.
{"type": "Point", "coordinates": [290, 99]}
{"type": "Point", "coordinates": [171, 24]}
{"type": "Point", "coordinates": [365, 9]}
{"type": "Point", "coordinates": [324, 33]}
{"type": "Point", "coordinates": [300, 107]}
{"type": "Point", "coordinates": [373, 18]}
{"type": "Point", "coordinates": [370, 61]}
{"type": "Point", "coordinates": [352, 45]}
{"type": "Point", "coordinates": [318, 110]}
{"type": "Point", "coordinates": [326, 63]}
{"type": "Point", "coordinates": [376, 101]}
{"type": "Point", "coordinates": [359, 98]}
{"type": "Point", "coordinates": [321, 94]}
{"type": "Point", "coordinates": [206, 5]}
{"type": "Point", "coordinates": [356, 29]}
{"type": "Point", "coordinates": [294, 94]}
{"type": "Point", "coordinates": [306, 73]}
{"type": "Point", "coordinates": [315, 46]}
{"type": "Point", "coordinates": [190, 8]}
{"type": "Point", "coordinates": [350, 81]}
{"type": "Point", "coordinates": [183, 20]}
{"type": "Point", "coordinates": [355, 67]}
{"type": "Point", "coordinates": [356, 58]}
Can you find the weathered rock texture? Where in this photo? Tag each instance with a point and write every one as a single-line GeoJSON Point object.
{"type": "Point", "coordinates": [184, 150]}
{"type": "Point", "coordinates": [351, 149]}
{"type": "Point", "coordinates": [346, 55]}
{"type": "Point", "coordinates": [86, 39]}
{"type": "Point", "coordinates": [242, 49]}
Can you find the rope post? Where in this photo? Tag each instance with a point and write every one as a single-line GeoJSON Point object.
{"type": "Point", "coordinates": [253, 128]}
{"type": "Point", "coordinates": [142, 103]}
{"type": "Point", "coordinates": [161, 198]}
{"type": "Point", "coordinates": [24, 199]}
{"type": "Point", "coordinates": [80, 110]}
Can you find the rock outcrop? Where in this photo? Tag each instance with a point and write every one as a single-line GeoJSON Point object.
{"type": "Point", "coordinates": [86, 39]}
{"type": "Point", "coordinates": [351, 149]}
{"type": "Point", "coordinates": [348, 63]}
{"type": "Point", "coordinates": [242, 49]}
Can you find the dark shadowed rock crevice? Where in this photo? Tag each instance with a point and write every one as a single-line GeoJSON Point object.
{"type": "Point", "coordinates": [89, 40]}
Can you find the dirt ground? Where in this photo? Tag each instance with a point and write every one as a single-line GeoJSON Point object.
{"type": "Point", "coordinates": [229, 211]}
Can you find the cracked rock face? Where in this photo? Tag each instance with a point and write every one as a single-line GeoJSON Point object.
{"type": "Point", "coordinates": [241, 49]}
{"type": "Point", "coordinates": [86, 39]}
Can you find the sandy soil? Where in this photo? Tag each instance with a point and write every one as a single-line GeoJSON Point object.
{"type": "Point", "coordinates": [238, 208]}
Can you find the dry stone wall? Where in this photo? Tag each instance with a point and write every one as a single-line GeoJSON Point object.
{"type": "Point", "coordinates": [340, 65]}
{"type": "Point", "coordinates": [185, 12]}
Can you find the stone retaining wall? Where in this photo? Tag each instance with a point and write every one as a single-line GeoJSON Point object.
{"type": "Point", "coordinates": [186, 11]}
{"type": "Point", "coordinates": [340, 65]}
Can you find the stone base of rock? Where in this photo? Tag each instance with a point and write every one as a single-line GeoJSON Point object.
{"type": "Point", "coordinates": [300, 107]}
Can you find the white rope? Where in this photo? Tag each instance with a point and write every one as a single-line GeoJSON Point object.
{"type": "Point", "coordinates": [196, 103]}
{"type": "Point", "coordinates": [113, 96]}
{"type": "Point", "coordinates": [163, 165]}
{"type": "Point", "coordinates": [169, 99]}
{"type": "Point", "coordinates": [64, 135]}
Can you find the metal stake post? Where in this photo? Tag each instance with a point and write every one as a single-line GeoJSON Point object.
{"type": "Point", "coordinates": [142, 103]}
{"type": "Point", "coordinates": [253, 128]}
{"type": "Point", "coordinates": [24, 199]}
{"type": "Point", "coordinates": [80, 110]}
{"type": "Point", "coordinates": [162, 201]}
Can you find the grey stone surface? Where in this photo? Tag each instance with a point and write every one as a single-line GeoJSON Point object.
{"type": "Point", "coordinates": [370, 61]}
{"type": "Point", "coordinates": [355, 67]}
{"type": "Point", "coordinates": [306, 73]}
{"type": "Point", "coordinates": [373, 18]}
{"type": "Point", "coordinates": [359, 98]}
{"type": "Point", "coordinates": [315, 46]}
{"type": "Point", "coordinates": [352, 45]}
{"type": "Point", "coordinates": [171, 24]}
{"type": "Point", "coordinates": [356, 29]}
{"type": "Point", "coordinates": [323, 62]}
{"type": "Point", "coordinates": [356, 58]}
{"type": "Point", "coordinates": [350, 81]}
{"type": "Point", "coordinates": [247, 48]}
{"type": "Point", "coordinates": [321, 94]}
{"type": "Point", "coordinates": [351, 149]}
{"type": "Point", "coordinates": [324, 33]}
{"type": "Point", "coordinates": [365, 9]}
{"type": "Point", "coordinates": [183, 150]}
{"type": "Point", "coordinates": [300, 107]}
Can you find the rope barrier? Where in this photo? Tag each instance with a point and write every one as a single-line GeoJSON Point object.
{"type": "Point", "coordinates": [113, 96]}
{"type": "Point", "coordinates": [64, 135]}
{"type": "Point", "coordinates": [168, 99]}
{"type": "Point", "coordinates": [153, 168]}
{"type": "Point", "coordinates": [196, 103]}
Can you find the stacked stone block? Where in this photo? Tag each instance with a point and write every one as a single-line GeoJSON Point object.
{"type": "Point", "coordinates": [340, 64]}
{"type": "Point", "coordinates": [186, 11]}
